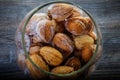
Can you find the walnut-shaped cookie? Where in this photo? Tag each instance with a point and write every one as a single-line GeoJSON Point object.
{"type": "Point", "coordinates": [60, 11]}
{"type": "Point", "coordinates": [46, 30]}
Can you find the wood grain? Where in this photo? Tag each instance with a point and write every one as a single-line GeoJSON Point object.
{"type": "Point", "coordinates": [105, 12]}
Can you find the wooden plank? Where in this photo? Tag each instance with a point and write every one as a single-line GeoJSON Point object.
{"type": "Point", "coordinates": [106, 14]}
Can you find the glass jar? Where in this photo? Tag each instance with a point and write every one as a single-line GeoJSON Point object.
{"type": "Point", "coordinates": [23, 46]}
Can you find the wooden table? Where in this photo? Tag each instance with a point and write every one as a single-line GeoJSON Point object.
{"type": "Point", "coordinates": [106, 14]}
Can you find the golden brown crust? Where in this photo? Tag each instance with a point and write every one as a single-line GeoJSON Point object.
{"type": "Point", "coordinates": [93, 35]}
{"type": "Point", "coordinates": [62, 70]}
{"type": "Point", "coordinates": [87, 52]}
{"type": "Point", "coordinates": [34, 50]}
{"type": "Point", "coordinates": [63, 42]}
{"type": "Point", "coordinates": [76, 25]}
{"type": "Point", "coordinates": [90, 26]}
{"type": "Point", "coordinates": [80, 41]}
{"type": "Point", "coordinates": [76, 12]}
{"type": "Point", "coordinates": [73, 62]}
{"type": "Point", "coordinates": [51, 55]}
{"type": "Point", "coordinates": [46, 29]}
{"type": "Point", "coordinates": [60, 11]}
{"type": "Point", "coordinates": [39, 62]}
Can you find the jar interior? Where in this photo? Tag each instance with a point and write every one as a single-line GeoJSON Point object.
{"type": "Point", "coordinates": [43, 9]}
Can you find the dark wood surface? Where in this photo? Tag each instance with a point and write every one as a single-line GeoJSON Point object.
{"type": "Point", "coordinates": [106, 14]}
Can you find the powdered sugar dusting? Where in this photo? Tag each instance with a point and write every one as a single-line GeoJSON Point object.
{"type": "Point", "coordinates": [40, 26]}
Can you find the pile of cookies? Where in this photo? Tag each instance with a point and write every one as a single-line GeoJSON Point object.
{"type": "Point", "coordinates": [60, 41]}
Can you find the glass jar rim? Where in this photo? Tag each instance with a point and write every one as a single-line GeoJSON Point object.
{"type": "Point", "coordinates": [30, 14]}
